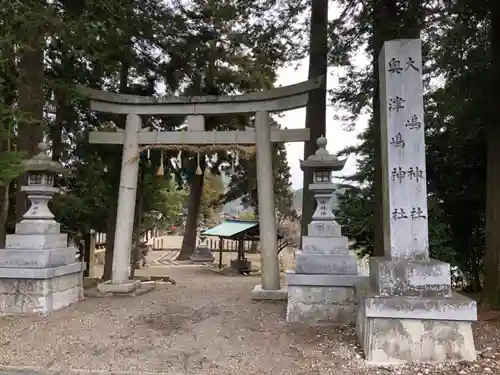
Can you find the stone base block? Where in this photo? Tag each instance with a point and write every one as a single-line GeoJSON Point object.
{"type": "Point", "coordinates": [36, 241]}
{"type": "Point", "coordinates": [38, 227]}
{"type": "Point", "coordinates": [202, 255]}
{"type": "Point", "coordinates": [320, 304]}
{"type": "Point", "coordinates": [40, 296]}
{"type": "Point", "coordinates": [325, 245]}
{"type": "Point", "coordinates": [335, 264]}
{"type": "Point", "coordinates": [40, 273]}
{"type": "Point", "coordinates": [324, 228]}
{"type": "Point", "coordinates": [397, 341]}
{"type": "Point", "coordinates": [142, 288]}
{"type": "Point", "coordinates": [126, 287]}
{"type": "Point", "coordinates": [416, 278]}
{"type": "Point", "coordinates": [23, 258]}
{"type": "Point", "coordinates": [241, 265]}
{"type": "Point", "coordinates": [395, 330]}
{"type": "Point", "coordinates": [293, 278]}
{"type": "Point", "coordinates": [266, 294]}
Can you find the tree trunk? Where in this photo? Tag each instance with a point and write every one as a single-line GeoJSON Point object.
{"type": "Point", "coordinates": [316, 107]}
{"type": "Point", "coordinates": [8, 97]}
{"type": "Point", "coordinates": [385, 26]}
{"type": "Point", "coordinates": [110, 242]}
{"type": "Point", "coordinates": [491, 290]}
{"type": "Point", "coordinates": [139, 199]}
{"type": "Point", "coordinates": [189, 239]}
{"type": "Point", "coordinates": [4, 211]}
{"type": "Point", "coordinates": [87, 253]}
{"type": "Point", "coordinates": [31, 101]}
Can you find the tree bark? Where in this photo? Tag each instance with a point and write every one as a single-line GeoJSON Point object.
{"type": "Point", "coordinates": [110, 242]}
{"type": "Point", "coordinates": [194, 200]}
{"type": "Point", "coordinates": [31, 101]}
{"type": "Point", "coordinates": [491, 290]}
{"type": "Point", "coordinates": [8, 97]}
{"type": "Point", "coordinates": [139, 199]}
{"type": "Point", "coordinates": [316, 107]}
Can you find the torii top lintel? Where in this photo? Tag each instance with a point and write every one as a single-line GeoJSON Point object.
{"type": "Point", "coordinates": [275, 100]}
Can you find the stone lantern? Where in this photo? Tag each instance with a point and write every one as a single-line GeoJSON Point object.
{"type": "Point", "coordinates": [41, 170]}
{"type": "Point", "coordinates": [38, 270]}
{"type": "Point", "coordinates": [322, 164]}
{"type": "Point", "coordinates": [321, 288]}
{"type": "Point", "coordinates": [202, 253]}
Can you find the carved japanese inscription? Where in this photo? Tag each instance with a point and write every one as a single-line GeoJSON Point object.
{"type": "Point", "coordinates": [404, 185]}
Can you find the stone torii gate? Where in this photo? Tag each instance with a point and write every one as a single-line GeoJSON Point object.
{"type": "Point", "coordinates": [195, 108]}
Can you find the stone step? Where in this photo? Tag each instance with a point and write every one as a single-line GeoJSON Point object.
{"type": "Point", "coordinates": [455, 308]}
{"type": "Point", "coordinates": [40, 273]}
{"type": "Point", "coordinates": [325, 245]}
{"type": "Point", "coordinates": [309, 294]}
{"type": "Point", "coordinates": [22, 258]}
{"type": "Point", "coordinates": [334, 264]}
{"type": "Point", "coordinates": [36, 241]}
{"type": "Point", "coordinates": [412, 279]}
{"type": "Point", "coordinates": [293, 278]}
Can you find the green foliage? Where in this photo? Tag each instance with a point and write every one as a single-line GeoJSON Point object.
{"type": "Point", "coordinates": [163, 202]}
{"type": "Point", "coordinates": [10, 166]}
{"type": "Point", "coordinates": [456, 49]}
{"type": "Point", "coordinates": [243, 183]}
{"type": "Point", "coordinates": [213, 189]}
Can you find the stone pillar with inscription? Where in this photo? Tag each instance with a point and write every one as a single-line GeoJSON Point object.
{"type": "Point", "coordinates": [408, 312]}
{"type": "Point", "coordinates": [39, 272]}
{"type": "Point", "coordinates": [321, 288]}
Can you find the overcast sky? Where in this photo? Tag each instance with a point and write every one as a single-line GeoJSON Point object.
{"type": "Point", "coordinates": [338, 139]}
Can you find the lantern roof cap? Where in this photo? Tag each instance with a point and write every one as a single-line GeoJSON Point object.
{"type": "Point", "coordinates": [322, 159]}
{"type": "Point", "coordinates": [42, 162]}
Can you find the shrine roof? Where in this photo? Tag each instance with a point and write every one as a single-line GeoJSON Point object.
{"type": "Point", "coordinates": [236, 229]}
{"type": "Point", "coordinates": [231, 228]}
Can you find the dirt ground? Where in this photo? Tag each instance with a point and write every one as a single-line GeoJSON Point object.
{"type": "Point", "coordinates": [205, 324]}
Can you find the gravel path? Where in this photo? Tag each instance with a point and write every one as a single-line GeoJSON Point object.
{"type": "Point", "coordinates": [205, 324]}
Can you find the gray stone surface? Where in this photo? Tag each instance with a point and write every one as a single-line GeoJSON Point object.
{"type": "Point", "coordinates": [335, 264]}
{"type": "Point", "coordinates": [321, 294]}
{"type": "Point", "coordinates": [293, 278]}
{"type": "Point", "coordinates": [407, 312]}
{"type": "Point", "coordinates": [456, 308]}
{"type": "Point", "coordinates": [122, 288]}
{"type": "Point", "coordinates": [40, 273]}
{"type": "Point", "coordinates": [325, 245]}
{"type": "Point", "coordinates": [16, 258]}
{"type": "Point", "coordinates": [393, 341]}
{"type": "Point", "coordinates": [29, 296]}
{"type": "Point", "coordinates": [277, 99]}
{"type": "Point", "coordinates": [38, 227]}
{"type": "Point", "coordinates": [317, 313]}
{"type": "Point", "coordinates": [36, 241]}
{"type": "Point", "coordinates": [321, 286]}
{"type": "Point", "coordinates": [324, 229]}
{"type": "Point", "coordinates": [416, 278]}
{"type": "Point", "coordinates": [202, 254]}
{"type": "Point", "coordinates": [267, 294]}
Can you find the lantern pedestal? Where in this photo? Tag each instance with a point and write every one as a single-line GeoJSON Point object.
{"type": "Point", "coordinates": [202, 253]}
{"type": "Point", "coordinates": [39, 273]}
{"type": "Point", "coordinates": [321, 288]}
